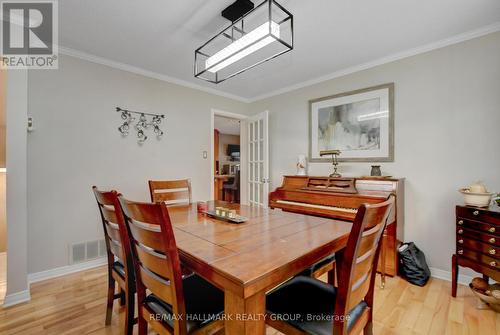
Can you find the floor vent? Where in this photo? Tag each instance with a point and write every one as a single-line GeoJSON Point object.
{"type": "Point", "coordinates": [86, 251]}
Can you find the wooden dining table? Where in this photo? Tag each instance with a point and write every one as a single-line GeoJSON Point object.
{"type": "Point", "coordinates": [247, 260]}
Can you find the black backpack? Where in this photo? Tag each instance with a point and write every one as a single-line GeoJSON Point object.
{"type": "Point", "coordinates": [412, 264]}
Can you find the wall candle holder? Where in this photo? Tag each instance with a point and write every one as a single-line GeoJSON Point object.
{"type": "Point", "coordinates": [142, 125]}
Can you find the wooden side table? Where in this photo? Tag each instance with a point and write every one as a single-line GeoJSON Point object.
{"type": "Point", "coordinates": [478, 242]}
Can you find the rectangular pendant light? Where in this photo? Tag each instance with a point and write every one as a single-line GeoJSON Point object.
{"type": "Point", "coordinates": [249, 43]}
{"type": "Point", "coordinates": [268, 29]}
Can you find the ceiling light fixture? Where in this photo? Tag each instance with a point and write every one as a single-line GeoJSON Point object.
{"type": "Point", "coordinates": [254, 37]}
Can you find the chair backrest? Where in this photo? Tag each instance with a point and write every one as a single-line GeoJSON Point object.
{"type": "Point", "coordinates": [155, 258]}
{"type": "Point", "coordinates": [359, 260]}
{"type": "Point", "coordinates": [115, 232]}
{"type": "Point", "coordinates": [171, 192]}
{"type": "Point", "coordinates": [236, 180]}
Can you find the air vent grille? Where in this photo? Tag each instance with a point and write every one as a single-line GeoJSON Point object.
{"type": "Point", "coordinates": [86, 251]}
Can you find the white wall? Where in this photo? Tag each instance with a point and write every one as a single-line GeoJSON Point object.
{"type": "Point", "coordinates": [76, 144]}
{"type": "Point", "coordinates": [17, 260]}
{"type": "Point", "coordinates": [447, 118]}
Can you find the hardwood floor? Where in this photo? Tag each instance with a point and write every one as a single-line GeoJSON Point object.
{"type": "Point", "coordinates": [75, 304]}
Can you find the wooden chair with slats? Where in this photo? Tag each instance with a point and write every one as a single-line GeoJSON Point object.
{"type": "Point", "coordinates": [324, 309]}
{"type": "Point", "coordinates": [120, 267]}
{"type": "Point", "coordinates": [171, 192]}
{"type": "Point", "coordinates": [167, 302]}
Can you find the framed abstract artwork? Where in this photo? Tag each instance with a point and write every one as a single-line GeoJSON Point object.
{"type": "Point", "coordinates": [358, 123]}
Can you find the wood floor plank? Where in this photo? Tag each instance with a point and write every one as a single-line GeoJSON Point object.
{"type": "Point", "coordinates": [75, 305]}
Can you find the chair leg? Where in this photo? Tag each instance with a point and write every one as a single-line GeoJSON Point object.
{"type": "Point", "coordinates": [130, 310]}
{"type": "Point", "coordinates": [122, 297]}
{"type": "Point", "coordinates": [331, 276]}
{"type": "Point", "coordinates": [111, 298]}
{"type": "Point", "coordinates": [368, 330]}
{"type": "Point", "coordinates": [142, 325]}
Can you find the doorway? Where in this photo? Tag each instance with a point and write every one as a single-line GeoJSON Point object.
{"type": "Point", "coordinates": [227, 168]}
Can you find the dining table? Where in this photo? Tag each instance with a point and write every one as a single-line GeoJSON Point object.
{"type": "Point", "coordinates": [248, 259]}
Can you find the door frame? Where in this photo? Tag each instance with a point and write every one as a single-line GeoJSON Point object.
{"type": "Point", "coordinates": [243, 151]}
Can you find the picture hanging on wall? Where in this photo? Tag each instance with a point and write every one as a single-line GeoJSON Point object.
{"type": "Point", "coordinates": [358, 123]}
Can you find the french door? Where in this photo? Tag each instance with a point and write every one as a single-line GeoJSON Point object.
{"type": "Point", "coordinates": [258, 159]}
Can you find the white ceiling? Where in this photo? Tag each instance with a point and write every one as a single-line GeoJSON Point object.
{"type": "Point", "coordinates": [227, 125]}
{"type": "Point", "coordinates": [330, 35]}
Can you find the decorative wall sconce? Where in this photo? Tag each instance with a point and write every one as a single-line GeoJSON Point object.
{"type": "Point", "coordinates": [141, 125]}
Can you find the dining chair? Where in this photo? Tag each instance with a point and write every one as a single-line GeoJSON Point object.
{"type": "Point", "coordinates": [120, 267]}
{"type": "Point", "coordinates": [322, 309]}
{"type": "Point", "coordinates": [171, 192]}
{"type": "Point", "coordinates": [326, 265]}
{"type": "Point", "coordinates": [232, 187]}
{"type": "Point", "coordinates": [167, 302]}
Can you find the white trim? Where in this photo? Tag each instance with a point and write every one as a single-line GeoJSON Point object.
{"type": "Point", "coordinates": [146, 73]}
{"type": "Point", "coordinates": [16, 298]}
{"type": "Point", "coordinates": [446, 275]}
{"type": "Point", "coordinates": [492, 28]}
{"type": "Point", "coordinates": [218, 112]}
{"type": "Point", "coordinates": [64, 270]}
{"type": "Point", "coordinates": [388, 59]}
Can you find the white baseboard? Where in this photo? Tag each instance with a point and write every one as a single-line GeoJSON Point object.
{"type": "Point", "coordinates": [64, 270]}
{"type": "Point", "coordinates": [19, 297]}
{"type": "Point", "coordinates": [16, 298]}
{"type": "Point", "coordinates": [446, 275]}
{"type": "Point", "coordinates": [23, 296]}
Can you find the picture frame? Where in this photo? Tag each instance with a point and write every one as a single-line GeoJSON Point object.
{"type": "Point", "coordinates": [359, 123]}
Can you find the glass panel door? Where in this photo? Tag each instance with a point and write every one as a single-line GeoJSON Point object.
{"type": "Point", "coordinates": [258, 160]}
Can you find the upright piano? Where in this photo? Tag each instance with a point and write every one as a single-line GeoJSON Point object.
{"type": "Point", "coordinates": [340, 198]}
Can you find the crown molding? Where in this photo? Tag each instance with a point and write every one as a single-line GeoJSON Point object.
{"type": "Point", "coordinates": [492, 28]}
{"type": "Point", "coordinates": [146, 73]}
{"type": "Point", "coordinates": [388, 59]}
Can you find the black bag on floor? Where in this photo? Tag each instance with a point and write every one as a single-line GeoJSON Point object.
{"type": "Point", "coordinates": [412, 264]}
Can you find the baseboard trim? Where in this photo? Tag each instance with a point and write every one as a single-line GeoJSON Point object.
{"type": "Point", "coordinates": [446, 275]}
{"type": "Point", "coordinates": [65, 270]}
{"type": "Point", "coordinates": [16, 298]}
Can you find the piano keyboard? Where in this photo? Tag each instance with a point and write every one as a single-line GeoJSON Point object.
{"type": "Point", "coordinates": [332, 208]}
